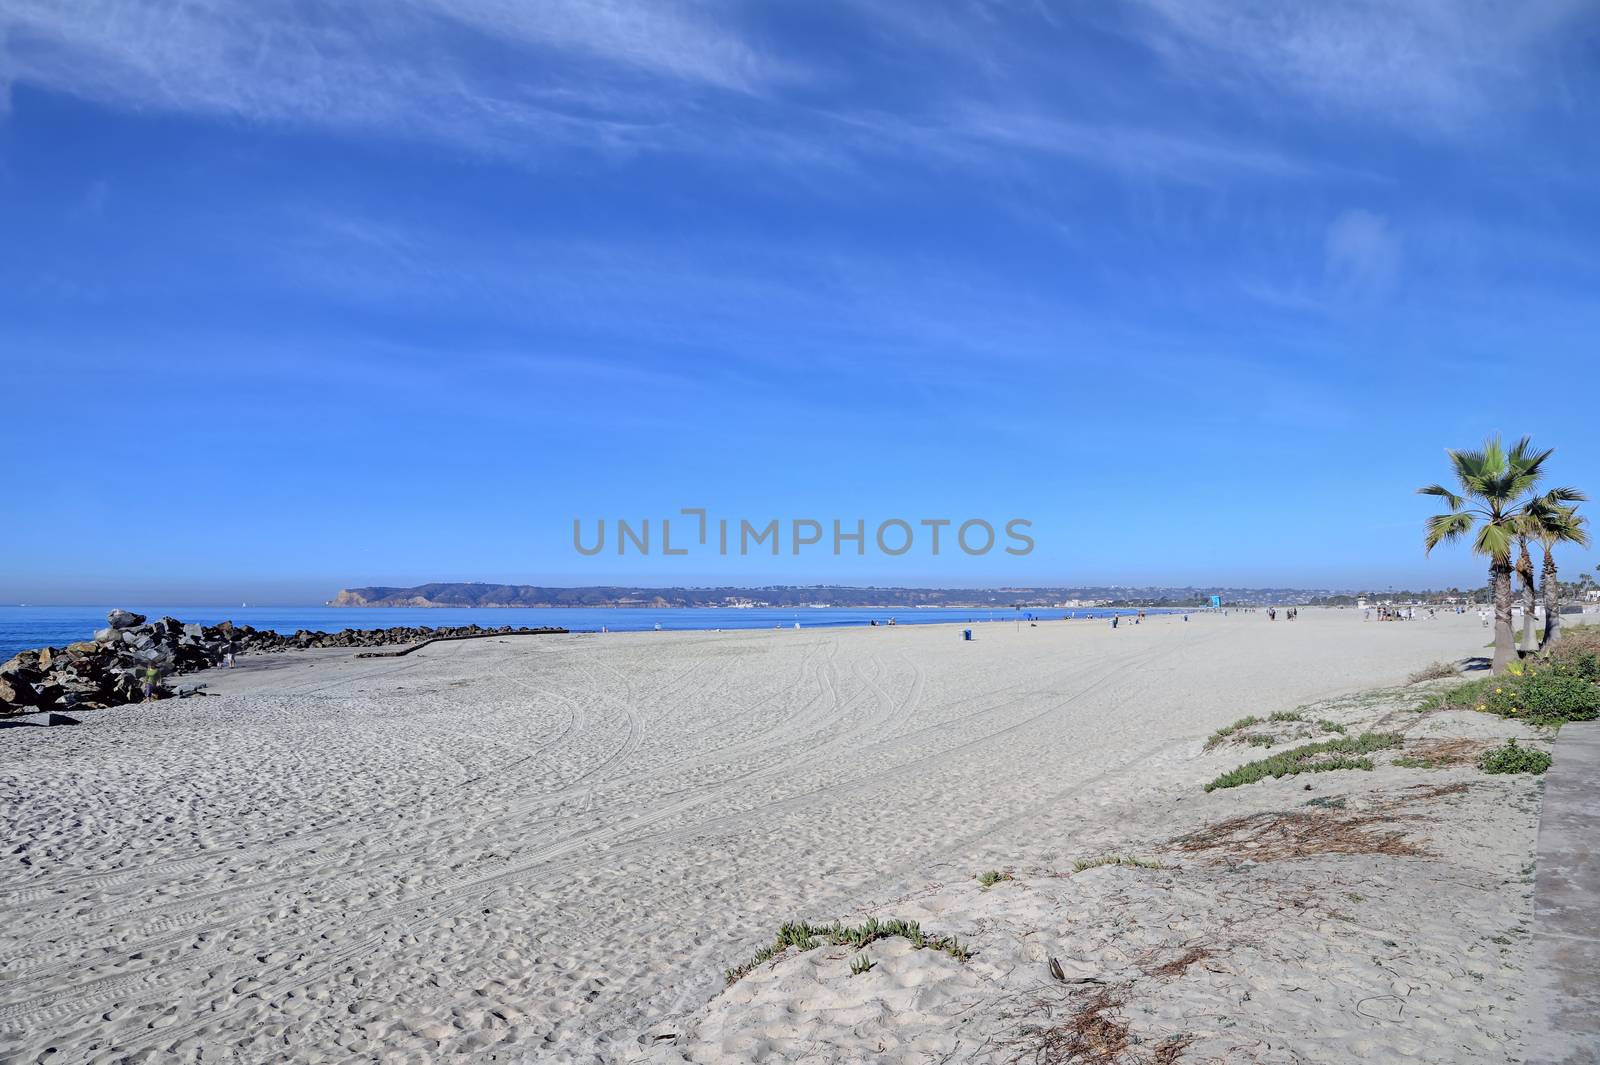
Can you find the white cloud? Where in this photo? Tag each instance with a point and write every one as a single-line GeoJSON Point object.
{"type": "Point", "coordinates": [483, 71]}
{"type": "Point", "coordinates": [1439, 63]}
{"type": "Point", "coordinates": [1124, 147]}
{"type": "Point", "coordinates": [1361, 255]}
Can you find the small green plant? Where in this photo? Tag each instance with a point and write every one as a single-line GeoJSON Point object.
{"type": "Point", "coordinates": [803, 937]}
{"type": "Point", "coordinates": [1331, 726]}
{"type": "Point", "coordinates": [860, 964]}
{"type": "Point", "coordinates": [1113, 859]}
{"type": "Point", "coordinates": [1228, 730]}
{"type": "Point", "coordinates": [1328, 802]}
{"type": "Point", "coordinates": [1286, 715]}
{"type": "Point", "coordinates": [1261, 741]}
{"type": "Point", "coordinates": [992, 877]}
{"type": "Point", "coordinates": [1344, 753]}
{"type": "Point", "coordinates": [1513, 759]}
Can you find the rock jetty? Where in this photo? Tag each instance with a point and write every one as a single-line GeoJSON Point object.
{"type": "Point", "coordinates": [110, 669]}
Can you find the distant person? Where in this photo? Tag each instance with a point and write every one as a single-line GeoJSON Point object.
{"type": "Point", "coordinates": [150, 678]}
{"type": "Point", "coordinates": [1113, 621]}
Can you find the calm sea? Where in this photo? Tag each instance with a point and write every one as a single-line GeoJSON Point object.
{"type": "Point", "coordinates": [56, 626]}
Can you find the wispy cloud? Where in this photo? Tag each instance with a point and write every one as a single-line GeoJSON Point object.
{"type": "Point", "coordinates": [475, 70]}
{"type": "Point", "coordinates": [1127, 147]}
{"type": "Point", "coordinates": [1362, 254]}
{"type": "Point", "coordinates": [1438, 63]}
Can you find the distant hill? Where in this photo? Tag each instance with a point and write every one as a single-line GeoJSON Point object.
{"type": "Point", "coordinates": [449, 594]}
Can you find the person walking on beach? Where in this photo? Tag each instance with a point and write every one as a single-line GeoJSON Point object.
{"type": "Point", "coordinates": [1113, 621]}
{"type": "Point", "coordinates": [150, 676]}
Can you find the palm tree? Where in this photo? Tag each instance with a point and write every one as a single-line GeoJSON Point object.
{"type": "Point", "coordinates": [1492, 481]}
{"type": "Point", "coordinates": [1525, 574]}
{"type": "Point", "coordinates": [1549, 520]}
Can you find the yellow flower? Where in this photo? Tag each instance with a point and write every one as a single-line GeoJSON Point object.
{"type": "Point", "coordinates": [1481, 706]}
{"type": "Point", "coordinates": [1499, 691]}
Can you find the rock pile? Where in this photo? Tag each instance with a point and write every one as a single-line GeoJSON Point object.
{"type": "Point", "coordinates": [110, 669]}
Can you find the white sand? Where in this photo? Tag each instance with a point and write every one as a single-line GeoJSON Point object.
{"type": "Point", "coordinates": [549, 849]}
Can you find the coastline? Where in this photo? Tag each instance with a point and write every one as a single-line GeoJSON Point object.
{"type": "Point", "coordinates": [36, 627]}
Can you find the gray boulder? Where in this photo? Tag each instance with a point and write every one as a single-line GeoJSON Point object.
{"type": "Point", "coordinates": [17, 693]}
{"type": "Point", "coordinates": [124, 619]}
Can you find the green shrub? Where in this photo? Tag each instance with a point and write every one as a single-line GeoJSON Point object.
{"type": "Point", "coordinates": [1581, 661]}
{"type": "Point", "coordinates": [1330, 726]}
{"type": "Point", "coordinates": [1286, 715]}
{"type": "Point", "coordinates": [1345, 753]}
{"type": "Point", "coordinates": [1543, 693]}
{"type": "Point", "coordinates": [1513, 759]}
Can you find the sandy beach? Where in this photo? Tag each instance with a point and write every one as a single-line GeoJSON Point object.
{"type": "Point", "coordinates": [551, 848]}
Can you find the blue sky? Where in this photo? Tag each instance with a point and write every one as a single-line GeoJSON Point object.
{"type": "Point", "coordinates": [295, 296]}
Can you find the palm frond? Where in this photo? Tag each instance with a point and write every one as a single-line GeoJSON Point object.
{"type": "Point", "coordinates": [1455, 502]}
{"type": "Point", "coordinates": [1494, 540]}
{"type": "Point", "coordinates": [1444, 528]}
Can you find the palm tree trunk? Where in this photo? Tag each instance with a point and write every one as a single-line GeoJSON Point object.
{"type": "Point", "coordinates": [1525, 571]}
{"type": "Point", "coordinates": [1552, 601]}
{"type": "Point", "coordinates": [1500, 587]}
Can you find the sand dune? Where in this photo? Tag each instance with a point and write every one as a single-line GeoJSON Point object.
{"type": "Point", "coordinates": [547, 849]}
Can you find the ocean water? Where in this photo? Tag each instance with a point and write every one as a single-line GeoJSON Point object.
{"type": "Point", "coordinates": [56, 626]}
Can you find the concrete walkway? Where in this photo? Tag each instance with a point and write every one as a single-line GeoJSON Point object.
{"type": "Point", "coordinates": [1564, 984]}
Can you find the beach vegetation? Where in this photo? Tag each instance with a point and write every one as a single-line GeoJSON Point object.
{"type": "Point", "coordinates": [1542, 693]}
{"type": "Point", "coordinates": [1331, 726]}
{"type": "Point", "coordinates": [1348, 752]}
{"type": "Point", "coordinates": [1261, 741]}
{"type": "Point", "coordinates": [1286, 715]}
{"type": "Point", "coordinates": [1511, 758]}
{"type": "Point", "coordinates": [1228, 730]}
{"type": "Point", "coordinates": [1114, 859]}
{"type": "Point", "coordinates": [803, 936]}
{"type": "Point", "coordinates": [860, 964]}
{"type": "Point", "coordinates": [991, 877]}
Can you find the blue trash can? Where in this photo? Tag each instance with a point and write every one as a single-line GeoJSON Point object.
{"type": "Point", "coordinates": [966, 634]}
